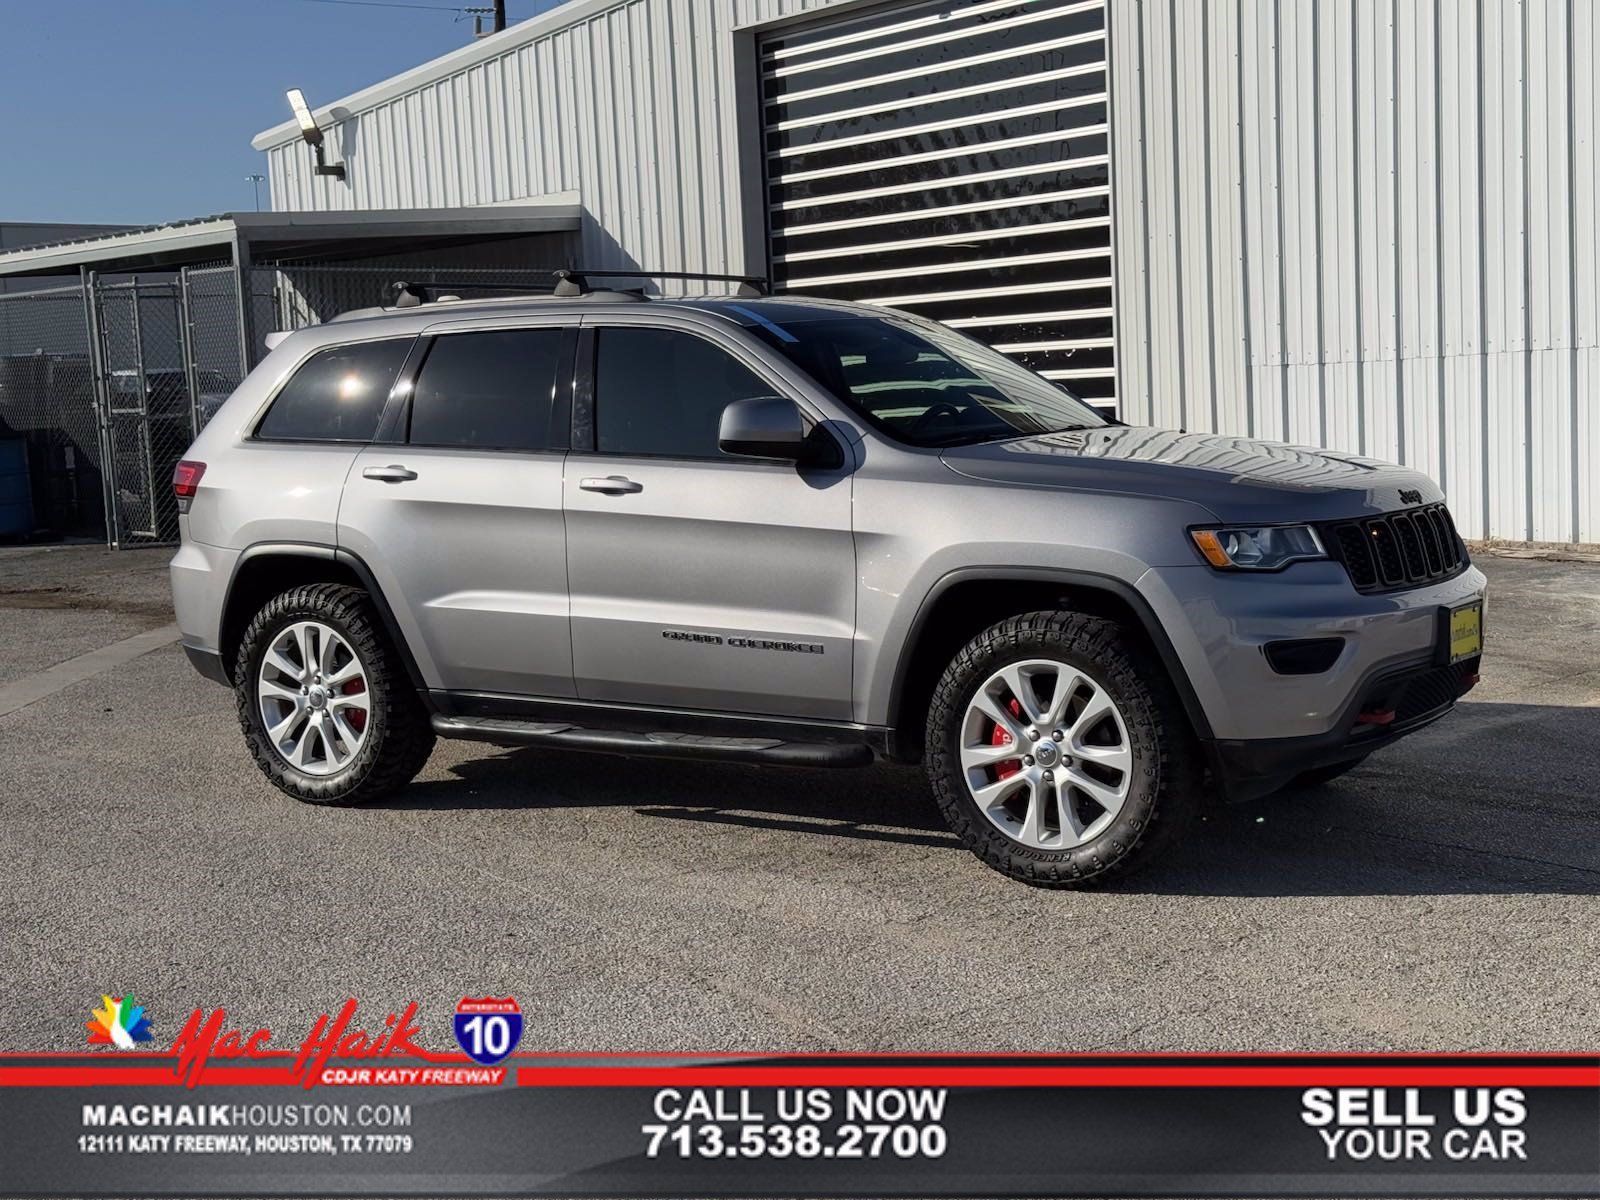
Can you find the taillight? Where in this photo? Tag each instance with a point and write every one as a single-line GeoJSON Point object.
{"type": "Point", "coordinates": [186, 482]}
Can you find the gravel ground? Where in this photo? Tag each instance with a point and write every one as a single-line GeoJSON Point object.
{"type": "Point", "coordinates": [1442, 896]}
{"type": "Point", "coordinates": [57, 602]}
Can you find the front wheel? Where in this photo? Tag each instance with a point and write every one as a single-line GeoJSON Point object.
{"type": "Point", "coordinates": [1059, 753]}
{"type": "Point", "coordinates": [324, 703]}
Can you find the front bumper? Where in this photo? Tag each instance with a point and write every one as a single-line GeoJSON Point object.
{"type": "Point", "coordinates": [1414, 697]}
{"type": "Point", "coordinates": [1260, 719]}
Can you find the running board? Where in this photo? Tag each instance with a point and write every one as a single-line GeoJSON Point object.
{"type": "Point", "coordinates": [504, 732]}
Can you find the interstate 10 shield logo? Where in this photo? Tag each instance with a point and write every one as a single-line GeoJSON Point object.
{"type": "Point", "coordinates": [488, 1029]}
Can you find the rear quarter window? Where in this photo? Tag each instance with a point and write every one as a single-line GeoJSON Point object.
{"type": "Point", "coordinates": [337, 395]}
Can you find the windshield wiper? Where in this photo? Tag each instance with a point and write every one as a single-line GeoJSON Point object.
{"type": "Point", "coordinates": [972, 439]}
{"type": "Point", "coordinates": [1009, 434]}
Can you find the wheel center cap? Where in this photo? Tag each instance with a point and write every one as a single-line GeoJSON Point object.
{"type": "Point", "coordinates": [1045, 752]}
{"type": "Point", "coordinates": [317, 697]}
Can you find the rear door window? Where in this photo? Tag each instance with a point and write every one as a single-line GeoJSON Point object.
{"type": "Point", "coordinates": [492, 390]}
{"type": "Point", "coordinates": [338, 394]}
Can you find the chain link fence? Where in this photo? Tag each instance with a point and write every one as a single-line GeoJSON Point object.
{"type": "Point", "coordinates": [106, 390]}
{"type": "Point", "coordinates": [148, 408]}
{"type": "Point", "coordinates": [48, 415]}
{"type": "Point", "coordinates": [214, 349]}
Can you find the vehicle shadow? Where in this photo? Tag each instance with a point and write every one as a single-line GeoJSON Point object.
{"type": "Point", "coordinates": [1496, 799]}
{"type": "Point", "coordinates": [880, 803]}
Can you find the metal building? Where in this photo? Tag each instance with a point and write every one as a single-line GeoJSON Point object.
{"type": "Point", "coordinates": [1362, 224]}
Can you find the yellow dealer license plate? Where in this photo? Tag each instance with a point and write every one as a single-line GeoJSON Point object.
{"type": "Point", "coordinates": [1466, 631]}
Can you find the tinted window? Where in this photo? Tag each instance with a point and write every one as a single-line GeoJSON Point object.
{"type": "Point", "coordinates": [662, 392]}
{"type": "Point", "coordinates": [492, 390]}
{"type": "Point", "coordinates": [338, 395]}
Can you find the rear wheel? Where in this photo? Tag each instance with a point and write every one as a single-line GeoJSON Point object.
{"type": "Point", "coordinates": [1059, 753]}
{"type": "Point", "coordinates": [325, 706]}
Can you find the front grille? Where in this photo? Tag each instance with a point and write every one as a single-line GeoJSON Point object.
{"type": "Point", "coordinates": [1427, 692]}
{"type": "Point", "coordinates": [1397, 550]}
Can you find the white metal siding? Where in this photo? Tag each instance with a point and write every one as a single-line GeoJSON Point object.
{"type": "Point", "coordinates": [1365, 224]}
{"type": "Point", "coordinates": [632, 107]}
{"type": "Point", "coordinates": [1370, 225]}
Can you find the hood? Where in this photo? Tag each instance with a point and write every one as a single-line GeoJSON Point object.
{"type": "Point", "coordinates": [1238, 479]}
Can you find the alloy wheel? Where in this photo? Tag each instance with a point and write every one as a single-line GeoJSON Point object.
{"type": "Point", "coordinates": [1045, 754]}
{"type": "Point", "coordinates": [314, 698]}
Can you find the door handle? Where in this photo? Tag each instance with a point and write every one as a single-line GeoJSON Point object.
{"type": "Point", "coordinates": [611, 485]}
{"type": "Point", "coordinates": [393, 473]}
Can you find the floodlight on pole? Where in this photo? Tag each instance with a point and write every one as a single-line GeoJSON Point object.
{"type": "Point", "coordinates": [312, 133]}
{"type": "Point", "coordinates": [303, 117]}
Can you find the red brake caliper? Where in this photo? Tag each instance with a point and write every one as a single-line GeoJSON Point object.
{"type": "Point", "coordinates": [1008, 768]}
{"type": "Point", "coordinates": [356, 716]}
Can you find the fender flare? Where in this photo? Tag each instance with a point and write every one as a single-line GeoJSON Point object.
{"type": "Point", "coordinates": [1083, 580]}
{"type": "Point", "coordinates": [319, 551]}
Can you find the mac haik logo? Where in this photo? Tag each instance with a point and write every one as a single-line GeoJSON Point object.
{"type": "Point", "coordinates": [488, 1029]}
{"type": "Point", "coordinates": [119, 1022]}
{"type": "Point", "coordinates": [208, 1036]}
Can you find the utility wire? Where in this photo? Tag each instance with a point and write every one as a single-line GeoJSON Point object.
{"type": "Point", "coordinates": [451, 8]}
{"type": "Point", "coordinates": [462, 11]}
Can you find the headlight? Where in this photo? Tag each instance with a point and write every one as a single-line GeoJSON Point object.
{"type": "Point", "coordinates": [1258, 547]}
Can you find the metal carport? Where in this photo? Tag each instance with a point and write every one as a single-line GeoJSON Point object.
{"type": "Point", "coordinates": [108, 374]}
{"type": "Point", "coordinates": [248, 237]}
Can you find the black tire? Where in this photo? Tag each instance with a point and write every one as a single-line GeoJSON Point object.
{"type": "Point", "coordinates": [1168, 778]}
{"type": "Point", "coordinates": [1318, 776]}
{"type": "Point", "coordinates": [398, 735]}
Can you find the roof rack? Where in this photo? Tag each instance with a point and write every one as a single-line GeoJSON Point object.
{"type": "Point", "coordinates": [567, 282]}
{"type": "Point", "coordinates": [410, 295]}
{"type": "Point", "coordinates": [576, 282]}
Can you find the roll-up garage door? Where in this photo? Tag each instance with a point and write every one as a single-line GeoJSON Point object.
{"type": "Point", "coordinates": [951, 159]}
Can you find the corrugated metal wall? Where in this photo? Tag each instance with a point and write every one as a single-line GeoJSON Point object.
{"type": "Point", "coordinates": [1372, 226]}
{"type": "Point", "coordinates": [632, 107]}
{"type": "Point", "coordinates": [1363, 224]}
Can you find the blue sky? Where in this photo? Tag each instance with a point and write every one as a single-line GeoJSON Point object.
{"type": "Point", "coordinates": [138, 111]}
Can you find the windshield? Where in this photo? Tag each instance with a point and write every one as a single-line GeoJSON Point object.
{"type": "Point", "coordinates": [923, 383]}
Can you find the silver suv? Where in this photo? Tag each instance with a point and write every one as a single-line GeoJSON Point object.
{"type": "Point", "coordinates": [801, 532]}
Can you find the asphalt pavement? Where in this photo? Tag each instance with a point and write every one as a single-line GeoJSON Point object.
{"type": "Point", "coordinates": [1443, 896]}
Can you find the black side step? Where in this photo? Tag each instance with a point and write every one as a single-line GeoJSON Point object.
{"type": "Point", "coordinates": [504, 732]}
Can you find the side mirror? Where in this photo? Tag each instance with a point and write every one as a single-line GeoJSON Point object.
{"type": "Point", "coordinates": [763, 427]}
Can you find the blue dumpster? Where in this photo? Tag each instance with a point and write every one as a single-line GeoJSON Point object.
{"type": "Point", "coordinates": [16, 500]}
